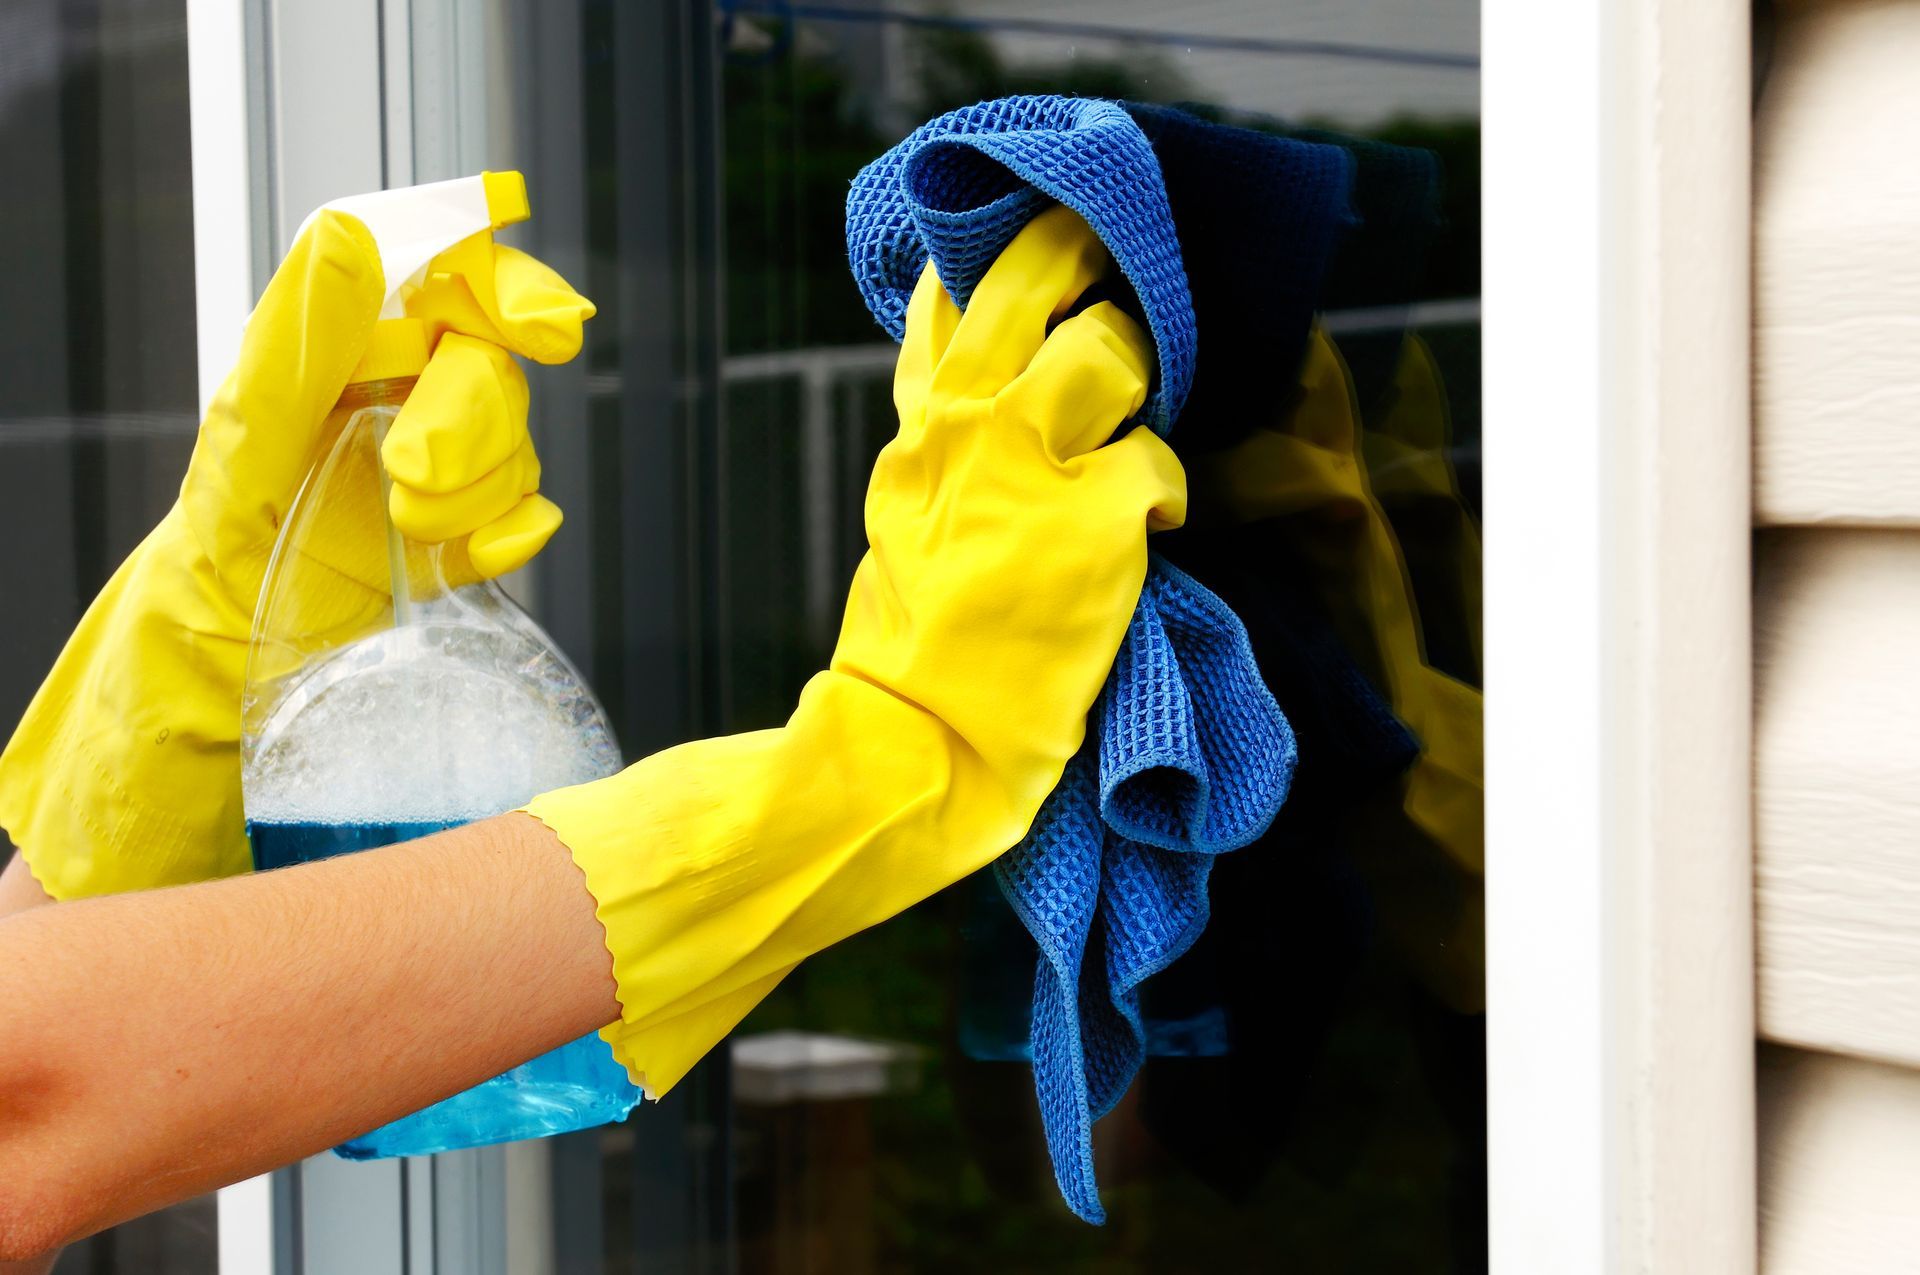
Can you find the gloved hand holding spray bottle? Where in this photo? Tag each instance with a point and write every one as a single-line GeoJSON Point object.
{"type": "Point", "coordinates": [360, 477]}
{"type": "Point", "coordinates": [393, 688]}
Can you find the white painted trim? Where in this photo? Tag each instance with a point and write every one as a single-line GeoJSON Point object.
{"type": "Point", "coordinates": [1548, 1079]}
{"type": "Point", "coordinates": [246, 1227]}
{"type": "Point", "coordinates": [1619, 942]}
{"type": "Point", "coordinates": [222, 204]}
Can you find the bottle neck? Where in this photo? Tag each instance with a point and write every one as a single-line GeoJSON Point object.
{"type": "Point", "coordinates": [391, 390]}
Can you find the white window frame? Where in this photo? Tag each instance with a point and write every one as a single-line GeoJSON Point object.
{"type": "Point", "coordinates": [1619, 921]}
{"type": "Point", "coordinates": [1616, 208]}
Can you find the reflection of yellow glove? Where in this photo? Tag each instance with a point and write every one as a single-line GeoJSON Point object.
{"type": "Point", "coordinates": [1008, 548]}
{"type": "Point", "coordinates": [125, 772]}
{"type": "Point", "coordinates": [1426, 857]}
{"type": "Point", "coordinates": [1407, 450]}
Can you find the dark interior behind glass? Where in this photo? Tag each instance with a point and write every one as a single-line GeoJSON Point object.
{"type": "Point", "coordinates": [873, 1114]}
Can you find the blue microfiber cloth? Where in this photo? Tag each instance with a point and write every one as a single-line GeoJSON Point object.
{"type": "Point", "coordinates": [1187, 753]}
{"type": "Point", "coordinates": [960, 187]}
{"type": "Point", "coordinates": [1188, 757]}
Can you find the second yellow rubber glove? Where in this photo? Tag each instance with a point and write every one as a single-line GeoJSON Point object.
{"type": "Point", "coordinates": [124, 773]}
{"type": "Point", "coordinates": [1008, 547]}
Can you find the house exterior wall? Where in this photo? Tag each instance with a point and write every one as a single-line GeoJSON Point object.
{"type": "Point", "coordinates": [1837, 613]}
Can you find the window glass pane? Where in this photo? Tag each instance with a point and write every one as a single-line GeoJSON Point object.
{"type": "Point", "coordinates": [1314, 1094]}
{"type": "Point", "coordinates": [97, 373]}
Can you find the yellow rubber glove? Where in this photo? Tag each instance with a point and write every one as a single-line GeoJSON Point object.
{"type": "Point", "coordinates": [459, 453]}
{"type": "Point", "coordinates": [1008, 548]}
{"type": "Point", "coordinates": [125, 772]}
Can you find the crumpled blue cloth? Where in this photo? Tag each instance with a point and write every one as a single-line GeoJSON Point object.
{"type": "Point", "coordinates": [1187, 755]}
{"type": "Point", "coordinates": [960, 187]}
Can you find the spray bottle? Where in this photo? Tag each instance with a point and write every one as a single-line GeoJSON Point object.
{"type": "Point", "coordinates": [392, 692]}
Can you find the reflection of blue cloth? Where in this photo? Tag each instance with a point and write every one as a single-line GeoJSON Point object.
{"type": "Point", "coordinates": [1260, 218]}
{"type": "Point", "coordinates": [1187, 755]}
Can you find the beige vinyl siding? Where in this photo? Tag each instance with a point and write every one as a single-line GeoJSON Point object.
{"type": "Point", "coordinates": [1839, 1165]}
{"type": "Point", "coordinates": [1837, 638]}
{"type": "Point", "coordinates": [1836, 341]}
{"type": "Point", "coordinates": [1837, 790]}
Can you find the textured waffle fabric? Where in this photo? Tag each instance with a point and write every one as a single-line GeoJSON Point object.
{"type": "Point", "coordinates": [1188, 757]}
{"type": "Point", "coordinates": [1187, 754]}
{"type": "Point", "coordinates": [960, 187]}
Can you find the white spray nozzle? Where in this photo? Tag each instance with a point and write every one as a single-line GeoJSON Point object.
{"type": "Point", "coordinates": [412, 225]}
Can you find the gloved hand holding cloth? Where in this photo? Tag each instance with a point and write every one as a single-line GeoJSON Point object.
{"type": "Point", "coordinates": [1008, 546]}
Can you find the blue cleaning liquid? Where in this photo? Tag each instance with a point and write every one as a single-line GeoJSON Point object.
{"type": "Point", "coordinates": [576, 1086]}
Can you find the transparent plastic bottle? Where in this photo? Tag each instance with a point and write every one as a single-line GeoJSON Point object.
{"type": "Point", "coordinates": [392, 693]}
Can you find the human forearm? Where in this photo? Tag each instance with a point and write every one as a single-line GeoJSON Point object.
{"type": "Point", "coordinates": [160, 1045]}
{"type": "Point", "coordinates": [18, 892]}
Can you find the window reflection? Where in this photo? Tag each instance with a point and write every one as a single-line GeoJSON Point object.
{"type": "Point", "coordinates": [1315, 1091]}
{"type": "Point", "coordinates": [97, 365]}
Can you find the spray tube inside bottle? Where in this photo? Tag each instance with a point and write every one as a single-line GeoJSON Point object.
{"type": "Point", "coordinates": [393, 692]}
